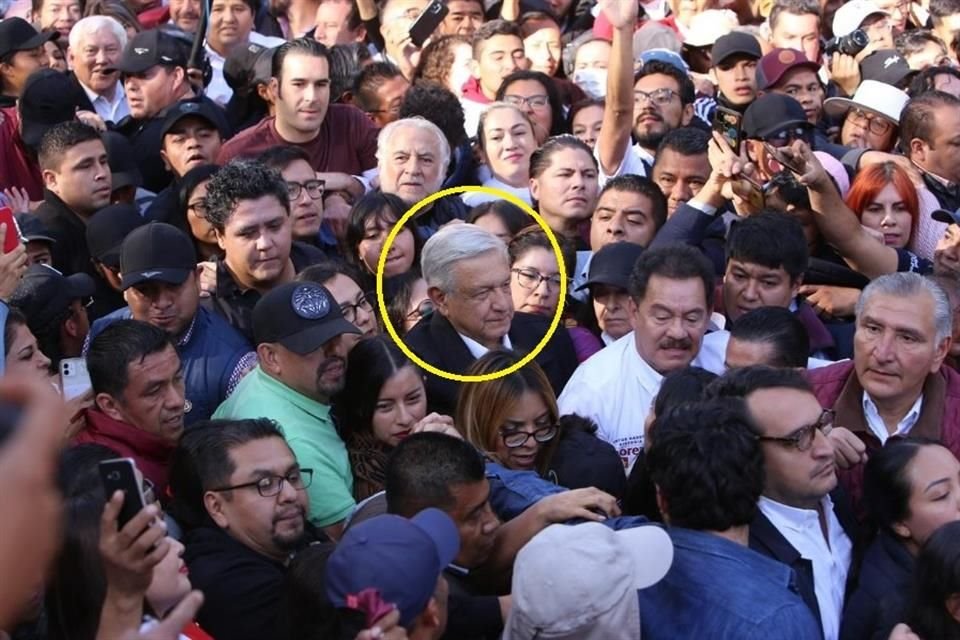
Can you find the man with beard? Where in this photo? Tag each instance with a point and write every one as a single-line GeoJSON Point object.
{"type": "Point", "coordinates": [661, 100]}
{"type": "Point", "coordinates": [302, 343]}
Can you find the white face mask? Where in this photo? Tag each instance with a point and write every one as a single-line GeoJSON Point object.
{"type": "Point", "coordinates": [592, 81]}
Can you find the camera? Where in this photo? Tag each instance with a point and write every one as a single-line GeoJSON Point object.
{"type": "Point", "coordinates": [850, 44]}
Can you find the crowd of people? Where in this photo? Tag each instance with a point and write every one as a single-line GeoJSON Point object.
{"type": "Point", "coordinates": [745, 422]}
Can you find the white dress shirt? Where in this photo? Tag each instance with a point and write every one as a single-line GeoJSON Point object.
{"type": "Point", "coordinates": [477, 350]}
{"type": "Point", "coordinates": [474, 198]}
{"type": "Point", "coordinates": [615, 388]}
{"type": "Point", "coordinates": [218, 90]}
{"type": "Point", "coordinates": [877, 426]}
{"type": "Point", "coordinates": [829, 555]}
{"type": "Point", "coordinates": [109, 110]}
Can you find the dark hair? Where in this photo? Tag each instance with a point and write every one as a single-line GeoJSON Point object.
{"type": "Point", "coordinates": [371, 363]}
{"type": "Point", "coordinates": [926, 81]}
{"type": "Point", "coordinates": [528, 17]}
{"type": "Point", "coordinates": [558, 125]}
{"type": "Point", "coordinates": [936, 577]}
{"type": "Point", "coordinates": [436, 59]}
{"type": "Point", "coordinates": [739, 383]}
{"type": "Point", "coordinates": [367, 83]}
{"type": "Point", "coordinates": [687, 141]}
{"type": "Point", "coordinates": [15, 318]}
{"type": "Point", "coordinates": [772, 239]}
{"type": "Point", "coordinates": [436, 103]}
{"type": "Point", "coordinates": [48, 331]}
{"type": "Point", "coordinates": [795, 7]}
{"type": "Point", "coordinates": [534, 237]}
{"type": "Point", "coordinates": [346, 60]}
{"type": "Point", "coordinates": [940, 9]}
{"type": "Point", "coordinates": [778, 327]}
{"type": "Point", "coordinates": [513, 217]}
{"type": "Point", "coordinates": [322, 271]}
{"type": "Point", "coordinates": [541, 158]}
{"type": "Point", "coordinates": [304, 46]}
{"type": "Point", "coordinates": [674, 262]}
{"type": "Point", "coordinates": [914, 40]}
{"type": "Point", "coordinates": [493, 28]}
{"type": "Point", "coordinates": [688, 92]}
{"type": "Point", "coordinates": [579, 106]}
{"type": "Point", "coordinates": [680, 386]}
{"type": "Point", "coordinates": [373, 206]}
{"type": "Point", "coordinates": [632, 183]}
{"type": "Point", "coordinates": [919, 119]}
{"type": "Point", "coordinates": [188, 183]}
{"type": "Point", "coordinates": [241, 180]}
{"type": "Point", "coordinates": [707, 465]}
{"type": "Point", "coordinates": [78, 472]}
{"type": "Point", "coordinates": [114, 348]}
{"type": "Point", "coordinates": [423, 469]}
{"type": "Point", "coordinates": [280, 157]}
{"type": "Point", "coordinates": [398, 292]}
{"type": "Point", "coordinates": [886, 487]}
{"type": "Point", "coordinates": [308, 612]}
{"type": "Point", "coordinates": [60, 138]}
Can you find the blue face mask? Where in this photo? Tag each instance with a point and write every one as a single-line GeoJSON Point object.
{"type": "Point", "coordinates": [592, 81]}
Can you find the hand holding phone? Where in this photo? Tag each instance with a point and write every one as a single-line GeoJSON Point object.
{"type": "Point", "coordinates": [74, 379]}
{"type": "Point", "coordinates": [121, 474]}
{"type": "Point", "coordinates": [784, 159]}
{"type": "Point", "coordinates": [726, 122]}
{"type": "Point", "coordinates": [427, 22]}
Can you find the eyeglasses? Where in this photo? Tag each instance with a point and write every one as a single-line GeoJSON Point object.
{"type": "Point", "coordinates": [314, 189]}
{"type": "Point", "coordinates": [270, 486]}
{"type": "Point", "coordinates": [802, 438]}
{"type": "Point", "coordinates": [424, 309]}
{"type": "Point", "coordinates": [350, 310]}
{"type": "Point", "coordinates": [537, 102]}
{"type": "Point", "coordinates": [530, 279]}
{"type": "Point", "coordinates": [661, 97]}
{"type": "Point", "coordinates": [514, 439]}
{"type": "Point", "coordinates": [787, 136]}
{"type": "Point", "coordinates": [875, 124]}
{"type": "Point", "coordinates": [394, 110]}
{"type": "Point", "coordinates": [199, 208]}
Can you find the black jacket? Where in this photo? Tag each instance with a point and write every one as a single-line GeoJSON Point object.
{"type": "Point", "coordinates": [436, 341]}
{"type": "Point", "coordinates": [880, 596]}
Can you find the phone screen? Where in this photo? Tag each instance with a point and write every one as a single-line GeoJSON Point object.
{"type": "Point", "coordinates": [726, 122]}
{"type": "Point", "coordinates": [427, 22]}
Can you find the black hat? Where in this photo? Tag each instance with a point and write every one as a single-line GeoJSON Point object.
{"type": "Point", "coordinates": [124, 171]}
{"type": "Point", "coordinates": [32, 228]}
{"type": "Point", "coordinates": [48, 98]}
{"type": "Point", "coordinates": [107, 230]}
{"type": "Point", "coordinates": [612, 264]}
{"type": "Point", "coordinates": [16, 34]}
{"type": "Point", "coordinates": [187, 108]}
{"type": "Point", "coordinates": [582, 460]}
{"type": "Point", "coordinates": [248, 66]}
{"type": "Point", "coordinates": [947, 217]}
{"type": "Point", "coordinates": [150, 48]}
{"type": "Point", "coordinates": [735, 43]}
{"type": "Point", "coordinates": [772, 113]}
{"type": "Point", "coordinates": [156, 252]}
{"type": "Point", "coordinates": [301, 316]}
{"type": "Point", "coordinates": [886, 65]}
{"type": "Point", "coordinates": [44, 293]}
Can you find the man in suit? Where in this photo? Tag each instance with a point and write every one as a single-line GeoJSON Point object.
{"type": "Point", "coordinates": [467, 271]}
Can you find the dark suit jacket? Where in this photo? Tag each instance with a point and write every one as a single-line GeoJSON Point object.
{"type": "Point", "coordinates": [437, 342]}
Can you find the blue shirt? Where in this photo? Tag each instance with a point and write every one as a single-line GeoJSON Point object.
{"type": "Point", "coordinates": [717, 588]}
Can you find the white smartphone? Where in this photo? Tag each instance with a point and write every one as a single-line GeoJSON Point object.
{"type": "Point", "coordinates": [74, 379]}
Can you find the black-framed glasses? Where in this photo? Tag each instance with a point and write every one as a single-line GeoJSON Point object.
{"type": "Point", "coordinates": [873, 123]}
{"type": "Point", "coordinates": [199, 208]}
{"type": "Point", "coordinates": [314, 189]}
{"type": "Point", "coordinates": [272, 485]}
{"type": "Point", "coordinates": [537, 102]}
{"type": "Point", "coordinates": [424, 309]}
{"type": "Point", "coordinates": [787, 136]}
{"type": "Point", "coordinates": [514, 439]}
{"type": "Point", "coordinates": [531, 279]}
{"type": "Point", "coordinates": [661, 97]}
{"type": "Point", "coordinates": [349, 311]}
{"type": "Point", "coordinates": [802, 438]}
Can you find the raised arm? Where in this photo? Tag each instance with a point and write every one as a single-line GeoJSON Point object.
{"type": "Point", "coordinates": [614, 139]}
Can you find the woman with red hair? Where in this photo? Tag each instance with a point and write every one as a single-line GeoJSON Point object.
{"type": "Point", "coordinates": [886, 202]}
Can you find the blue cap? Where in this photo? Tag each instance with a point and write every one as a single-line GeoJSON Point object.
{"type": "Point", "coordinates": [667, 56]}
{"type": "Point", "coordinates": [400, 558]}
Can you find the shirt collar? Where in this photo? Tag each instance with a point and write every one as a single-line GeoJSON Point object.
{"type": "Point", "coordinates": [118, 93]}
{"type": "Point", "coordinates": [316, 409]}
{"type": "Point", "coordinates": [188, 333]}
{"type": "Point", "coordinates": [785, 516]}
{"type": "Point", "coordinates": [879, 428]}
{"type": "Point", "coordinates": [647, 376]}
{"type": "Point", "coordinates": [477, 350]}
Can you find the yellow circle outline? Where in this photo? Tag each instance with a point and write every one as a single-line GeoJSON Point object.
{"type": "Point", "coordinates": [381, 265]}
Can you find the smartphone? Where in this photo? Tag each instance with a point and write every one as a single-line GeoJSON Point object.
{"type": "Point", "coordinates": [782, 158]}
{"type": "Point", "coordinates": [74, 379]}
{"type": "Point", "coordinates": [13, 237]}
{"type": "Point", "coordinates": [427, 22]}
{"type": "Point", "coordinates": [122, 474]}
{"type": "Point", "coordinates": [726, 122]}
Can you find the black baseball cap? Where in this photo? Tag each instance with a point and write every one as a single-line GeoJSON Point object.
{"type": "Point", "coordinates": [947, 217]}
{"type": "Point", "coordinates": [48, 98]}
{"type": "Point", "coordinates": [44, 293]}
{"type": "Point", "coordinates": [156, 252]}
{"type": "Point", "coordinates": [16, 34]}
{"type": "Point", "coordinates": [189, 108]}
{"type": "Point", "coordinates": [612, 264]}
{"type": "Point", "coordinates": [150, 48]}
{"type": "Point", "coordinates": [886, 65]}
{"type": "Point", "coordinates": [301, 316]}
{"type": "Point", "coordinates": [733, 44]}
{"type": "Point", "coordinates": [32, 228]}
{"type": "Point", "coordinates": [248, 66]}
{"type": "Point", "coordinates": [772, 113]}
{"type": "Point", "coordinates": [107, 230]}
{"type": "Point", "coordinates": [124, 171]}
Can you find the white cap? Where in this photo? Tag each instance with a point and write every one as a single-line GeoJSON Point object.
{"type": "Point", "coordinates": [851, 15]}
{"type": "Point", "coordinates": [707, 26]}
{"type": "Point", "coordinates": [876, 97]}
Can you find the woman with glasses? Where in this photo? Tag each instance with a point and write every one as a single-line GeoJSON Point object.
{"type": "Point", "coordinates": [191, 215]}
{"type": "Point", "coordinates": [911, 488]}
{"type": "Point", "coordinates": [407, 301]}
{"type": "Point", "coordinates": [371, 220]}
{"type": "Point", "coordinates": [535, 94]}
{"type": "Point", "coordinates": [506, 141]}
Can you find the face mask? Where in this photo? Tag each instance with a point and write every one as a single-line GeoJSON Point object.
{"type": "Point", "coordinates": [592, 81]}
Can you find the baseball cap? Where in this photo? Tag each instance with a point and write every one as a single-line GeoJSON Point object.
{"type": "Point", "coordinates": [44, 293]}
{"type": "Point", "coordinates": [735, 43]}
{"type": "Point", "coordinates": [248, 66]}
{"type": "Point", "coordinates": [48, 98]}
{"type": "Point", "coordinates": [612, 264]}
{"type": "Point", "coordinates": [400, 558]}
{"type": "Point", "coordinates": [150, 48]}
{"type": "Point", "coordinates": [32, 228]}
{"type": "Point", "coordinates": [122, 161]}
{"type": "Point", "coordinates": [301, 316]}
{"type": "Point", "coordinates": [593, 573]}
{"type": "Point", "coordinates": [582, 460]}
{"type": "Point", "coordinates": [885, 65]}
{"type": "Point", "coordinates": [189, 108]}
{"type": "Point", "coordinates": [708, 26]}
{"type": "Point", "coordinates": [654, 35]}
{"type": "Point", "coordinates": [875, 97]}
{"type": "Point", "coordinates": [16, 34]}
{"type": "Point", "coordinates": [771, 113]}
{"type": "Point", "coordinates": [773, 66]}
{"type": "Point", "coordinates": [666, 56]}
{"type": "Point", "coordinates": [156, 252]}
{"type": "Point", "coordinates": [947, 217]}
{"type": "Point", "coordinates": [851, 15]}
{"type": "Point", "coordinates": [108, 228]}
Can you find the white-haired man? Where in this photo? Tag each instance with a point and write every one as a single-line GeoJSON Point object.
{"type": "Point", "coordinates": [467, 271]}
{"type": "Point", "coordinates": [96, 44]}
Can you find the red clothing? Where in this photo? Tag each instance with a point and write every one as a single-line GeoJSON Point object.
{"type": "Point", "coordinates": [347, 142]}
{"type": "Point", "coordinates": [473, 92]}
{"type": "Point", "coordinates": [153, 18]}
{"type": "Point", "coordinates": [17, 168]}
{"type": "Point", "coordinates": [151, 453]}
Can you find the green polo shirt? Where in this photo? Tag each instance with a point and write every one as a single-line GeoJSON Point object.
{"type": "Point", "coordinates": [311, 435]}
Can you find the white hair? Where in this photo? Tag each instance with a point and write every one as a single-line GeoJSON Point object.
{"type": "Point", "coordinates": [383, 140]}
{"type": "Point", "coordinates": [451, 244]}
{"type": "Point", "coordinates": [91, 24]}
{"type": "Point", "coordinates": [905, 285]}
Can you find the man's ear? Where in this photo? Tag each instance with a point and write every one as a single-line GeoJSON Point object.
{"type": "Point", "coordinates": [269, 360]}
{"type": "Point", "coordinates": [795, 286]}
{"type": "Point", "coordinates": [166, 161]}
{"type": "Point", "coordinates": [70, 326]}
{"type": "Point", "coordinates": [219, 235]}
{"type": "Point", "coordinates": [534, 189]}
{"type": "Point", "coordinates": [49, 179]}
{"type": "Point", "coordinates": [439, 298]}
{"type": "Point", "coordinates": [274, 89]}
{"type": "Point", "coordinates": [475, 69]}
{"type": "Point", "coordinates": [687, 115]}
{"type": "Point", "coordinates": [213, 503]}
{"type": "Point", "coordinates": [109, 405]}
{"type": "Point", "coordinates": [430, 618]}
{"type": "Point", "coordinates": [917, 149]}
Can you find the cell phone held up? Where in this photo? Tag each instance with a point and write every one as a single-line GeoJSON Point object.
{"type": "Point", "coordinates": [427, 22]}
{"type": "Point", "coordinates": [726, 122]}
{"type": "Point", "coordinates": [122, 474]}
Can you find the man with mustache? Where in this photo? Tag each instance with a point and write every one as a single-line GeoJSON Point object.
{"type": "Point", "coordinates": [671, 294]}
{"type": "Point", "coordinates": [803, 520]}
{"type": "Point", "coordinates": [302, 342]}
